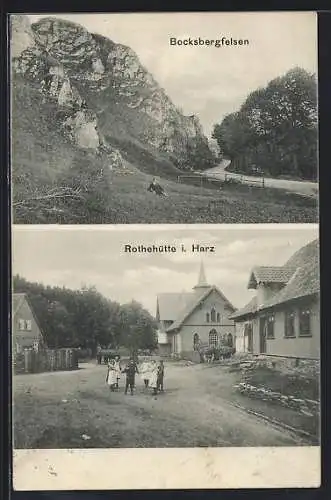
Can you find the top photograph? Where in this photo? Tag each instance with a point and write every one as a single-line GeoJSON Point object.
{"type": "Point", "coordinates": [161, 118]}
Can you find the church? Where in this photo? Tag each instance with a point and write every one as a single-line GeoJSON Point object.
{"type": "Point", "coordinates": [189, 320]}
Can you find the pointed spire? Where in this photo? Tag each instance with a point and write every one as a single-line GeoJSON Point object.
{"type": "Point", "coordinates": [202, 282]}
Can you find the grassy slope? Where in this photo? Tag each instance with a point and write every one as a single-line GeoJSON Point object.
{"type": "Point", "coordinates": [41, 156]}
{"type": "Point", "coordinates": [192, 204]}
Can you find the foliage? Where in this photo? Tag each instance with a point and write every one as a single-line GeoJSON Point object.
{"type": "Point", "coordinates": [275, 129]}
{"type": "Point", "coordinates": [138, 329]}
{"type": "Point", "coordinates": [84, 318]}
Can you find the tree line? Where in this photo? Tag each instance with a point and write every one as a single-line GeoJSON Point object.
{"type": "Point", "coordinates": [275, 130]}
{"type": "Point", "coordinates": [85, 318]}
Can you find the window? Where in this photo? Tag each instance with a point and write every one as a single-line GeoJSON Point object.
{"type": "Point", "coordinates": [213, 315]}
{"type": "Point", "coordinates": [304, 323]}
{"type": "Point", "coordinates": [207, 318]}
{"type": "Point", "coordinates": [21, 324]}
{"type": "Point", "coordinates": [270, 327]}
{"type": "Point", "coordinates": [218, 318]}
{"type": "Point", "coordinates": [213, 338]}
{"type": "Point", "coordinates": [18, 348]}
{"type": "Point", "coordinates": [289, 324]}
{"type": "Point", "coordinates": [35, 345]}
{"type": "Point", "coordinates": [28, 325]}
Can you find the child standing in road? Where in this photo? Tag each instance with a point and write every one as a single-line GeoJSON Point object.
{"type": "Point", "coordinates": [130, 370]}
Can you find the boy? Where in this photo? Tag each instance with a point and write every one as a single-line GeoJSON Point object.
{"type": "Point", "coordinates": [130, 370]}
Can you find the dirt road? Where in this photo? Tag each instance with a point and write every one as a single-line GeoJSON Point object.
{"type": "Point", "coordinates": [76, 409]}
{"type": "Point", "coordinates": [300, 187]}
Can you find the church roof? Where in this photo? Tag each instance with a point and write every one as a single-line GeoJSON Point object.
{"type": "Point", "coordinates": [193, 304]}
{"type": "Point", "coordinates": [170, 304]}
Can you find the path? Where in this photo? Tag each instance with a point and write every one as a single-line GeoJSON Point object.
{"type": "Point", "coordinates": [57, 411]}
{"type": "Point", "coordinates": [300, 187]}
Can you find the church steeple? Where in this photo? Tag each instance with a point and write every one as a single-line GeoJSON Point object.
{"type": "Point", "coordinates": [202, 282]}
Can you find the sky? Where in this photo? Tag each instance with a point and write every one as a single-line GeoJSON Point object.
{"type": "Point", "coordinates": [207, 81]}
{"type": "Point", "coordinates": [77, 256]}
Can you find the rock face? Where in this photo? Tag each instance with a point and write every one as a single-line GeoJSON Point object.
{"type": "Point", "coordinates": [102, 92]}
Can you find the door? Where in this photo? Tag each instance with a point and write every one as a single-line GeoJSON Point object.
{"type": "Point", "coordinates": [263, 335]}
{"type": "Point", "coordinates": [248, 338]}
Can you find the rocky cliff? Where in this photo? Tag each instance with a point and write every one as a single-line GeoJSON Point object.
{"type": "Point", "coordinates": [101, 97]}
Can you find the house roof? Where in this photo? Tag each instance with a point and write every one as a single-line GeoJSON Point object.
{"type": "Point", "coordinates": [170, 304]}
{"type": "Point", "coordinates": [305, 282]}
{"type": "Point", "coordinates": [302, 270]}
{"type": "Point", "coordinates": [17, 301]}
{"type": "Point", "coordinates": [249, 308]}
{"type": "Point", "coordinates": [191, 305]}
{"type": "Point", "coordinates": [270, 274]}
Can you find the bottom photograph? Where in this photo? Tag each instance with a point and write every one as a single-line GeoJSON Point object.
{"type": "Point", "coordinates": [158, 337]}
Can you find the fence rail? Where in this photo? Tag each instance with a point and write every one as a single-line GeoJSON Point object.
{"type": "Point", "coordinates": [204, 180]}
{"type": "Point", "coordinates": [243, 180]}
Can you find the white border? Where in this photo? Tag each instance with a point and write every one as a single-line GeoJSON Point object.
{"type": "Point", "coordinates": [168, 468]}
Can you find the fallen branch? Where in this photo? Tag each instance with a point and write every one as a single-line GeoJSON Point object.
{"type": "Point", "coordinates": [51, 195]}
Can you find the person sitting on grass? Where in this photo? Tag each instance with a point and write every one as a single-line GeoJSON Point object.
{"type": "Point", "coordinates": [156, 188]}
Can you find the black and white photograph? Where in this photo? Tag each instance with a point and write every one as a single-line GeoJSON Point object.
{"type": "Point", "coordinates": [131, 118]}
{"type": "Point", "coordinates": [165, 338]}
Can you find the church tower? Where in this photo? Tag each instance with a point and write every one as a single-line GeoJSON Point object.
{"type": "Point", "coordinates": [202, 284]}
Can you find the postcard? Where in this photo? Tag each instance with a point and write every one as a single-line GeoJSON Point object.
{"type": "Point", "coordinates": [164, 357]}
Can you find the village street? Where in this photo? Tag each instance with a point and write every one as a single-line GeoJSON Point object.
{"type": "Point", "coordinates": [305, 188]}
{"type": "Point", "coordinates": [76, 409]}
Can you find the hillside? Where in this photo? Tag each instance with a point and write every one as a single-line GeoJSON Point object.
{"type": "Point", "coordinates": [74, 91]}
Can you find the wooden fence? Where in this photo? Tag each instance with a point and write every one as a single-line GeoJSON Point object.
{"type": "Point", "coordinates": [205, 181]}
{"type": "Point", "coordinates": [244, 180]}
{"type": "Point", "coordinates": [46, 360]}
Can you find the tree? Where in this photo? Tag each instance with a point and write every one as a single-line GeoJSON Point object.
{"type": "Point", "coordinates": [138, 327]}
{"type": "Point", "coordinates": [275, 128]}
{"type": "Point", "coordinates": [85, 318]}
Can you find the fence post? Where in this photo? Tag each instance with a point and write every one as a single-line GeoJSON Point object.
{"type": "Point", "coordinates": [263, 182]}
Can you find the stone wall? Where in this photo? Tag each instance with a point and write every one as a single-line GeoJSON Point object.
{"type": "Point", "coordinates": [300, 366]}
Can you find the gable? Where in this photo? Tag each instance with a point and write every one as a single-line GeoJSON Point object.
{"type": "Point", "coordinates": [199, 305]}
{"type": "Point", "coordinates": [215, 300]}
{"type": "Point", "coordinates": [25, 328]}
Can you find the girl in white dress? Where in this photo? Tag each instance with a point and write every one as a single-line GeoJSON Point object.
{"type": "Point", "coordinates": [111, 378]}
{"type": "Point", "coordinates": [117, 369]}
{"type": "Point", "coordinates": [153, 377]}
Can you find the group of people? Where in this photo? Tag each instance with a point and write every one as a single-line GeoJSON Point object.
{"type": "Point", "coordinates": [151, 372]}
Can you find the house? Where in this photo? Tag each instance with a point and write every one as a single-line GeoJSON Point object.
{"type": "Point", "coordinates": [26, 330]}
{"type": "Point", "coordinates": [283, 317]}
{"type": "Point", "coordinates": [188, 320]}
